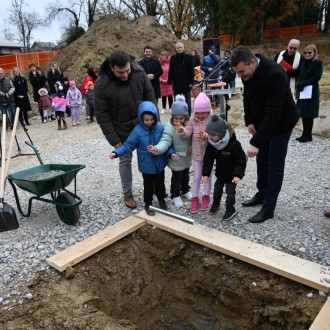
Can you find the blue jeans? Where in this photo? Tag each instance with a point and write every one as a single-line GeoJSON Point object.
{"type": "Point", "coordinates": [270, 169]}
{"type": "Point", "coordinates": [11, 106]}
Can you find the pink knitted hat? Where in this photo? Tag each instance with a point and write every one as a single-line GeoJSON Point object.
{"type": "Point", "coordinates": [202, 103]}
{"type": "Point", "coordinates": [72, 82]}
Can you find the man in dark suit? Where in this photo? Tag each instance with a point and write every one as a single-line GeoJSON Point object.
{"type": "Point", "coordinates": [270, 115]}
{"type": "Point", "coordinates": [153, 69]}
{"type": "Point", "coordinates": [181, 73]}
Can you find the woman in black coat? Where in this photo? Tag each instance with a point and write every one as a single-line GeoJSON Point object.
{"type": "Point", "coordinates": [22, 100]}
{"type": "Point", "coordinates": [37, 80]}
{"type": "Point", "coordinates": [309, 75]}
{"type": "Point", "coordinates": [53, 76]}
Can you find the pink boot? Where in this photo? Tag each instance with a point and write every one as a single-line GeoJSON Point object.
{"type": "Point", "coordinates": [194, 205]}
{"type": "Point", "coordinates": [205, 202]}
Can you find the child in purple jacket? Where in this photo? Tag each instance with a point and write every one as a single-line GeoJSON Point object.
{"type": "Point", "coordinates": [73, 101]}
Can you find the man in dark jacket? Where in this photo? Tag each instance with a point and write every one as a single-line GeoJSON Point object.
{"type": "Point", "coordinates": [153, 69]}
{"type": "Point", "coordinates": [181, 73]}
{"type": "Point", "coordinates": [270, 115]}
{"type": "Point", "coordinates": [119, 90]}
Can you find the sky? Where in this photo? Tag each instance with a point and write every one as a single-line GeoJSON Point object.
{"type": "Point", "coordinates": [51, 33]}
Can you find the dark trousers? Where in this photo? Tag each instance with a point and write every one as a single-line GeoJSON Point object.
{"type": "Point", "coordinates": [153, 183]}
{"type": "Point", "coordinates": [170, 101]}
{"type": "Point", "coordinates": [91, 112]}
{"type": "Point", "coordinates": [270, 169]}
{"type": "Point", "coordinates": [187, 96]}
{"type": "Point", "coordinates": [180, 183]}
{"type": "Point", "coordinates": [230, 191]}
{"type": "Point", "coordinates": [307, 127]}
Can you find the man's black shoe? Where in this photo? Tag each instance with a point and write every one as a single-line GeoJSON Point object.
{"type": "Point", "coordinates": [262, 216]}
{"type": "Point", "coordinates": [255, 200]}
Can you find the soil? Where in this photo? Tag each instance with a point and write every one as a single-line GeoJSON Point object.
{"type": "Point", "coordinates": [152, 279]}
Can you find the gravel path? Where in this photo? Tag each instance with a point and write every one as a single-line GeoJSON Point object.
{"type": "Point", "coordinates": [299, 227]}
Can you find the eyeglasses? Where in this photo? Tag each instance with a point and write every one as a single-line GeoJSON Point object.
{"type": "Point", "coordinates": [293, 48]}
{"type": "Point", "coordinates": [308, 53]}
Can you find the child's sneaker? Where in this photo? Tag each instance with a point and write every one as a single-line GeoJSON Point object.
{"type": "Point", "coordinates": [194, 205]}
{"type": "Point", "coordinates": [230, 212]}
{"type": "Point", "coordinates": [148, 211]}
{"type": "Point", "coordinates": [205, 202]}
{"type": "Point", "coordinates": [177, 201]}
{"type": "Point", "coordinates": [214, 208]}
{"type": "Point", "coordinates": [162, 204]}
{"type": "Point", "coordinates": [187, 196]}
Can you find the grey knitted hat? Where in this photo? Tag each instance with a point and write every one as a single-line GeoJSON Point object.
{"type": "Point", "coordinates": [216, 126]}
{"type": "Point", "coordinates": [179, 107]}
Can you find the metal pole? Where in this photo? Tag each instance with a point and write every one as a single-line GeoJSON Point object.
{"type": "Point", "coordinates": [173, 215]}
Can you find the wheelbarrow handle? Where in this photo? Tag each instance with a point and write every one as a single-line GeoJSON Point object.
{"type": "Point", "coordinates": [35, 151]}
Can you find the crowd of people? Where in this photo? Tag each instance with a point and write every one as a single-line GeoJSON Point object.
{"type": "Point", "coordinates": [123, 96]}
{"type": "Point", "coordinates": [57, 97]}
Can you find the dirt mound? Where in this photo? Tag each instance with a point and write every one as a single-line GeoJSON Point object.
{"type": "Point", "coordinates": [115, 32]}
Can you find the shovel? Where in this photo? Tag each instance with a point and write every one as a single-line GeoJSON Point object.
{"type": "Point", "coordinates": [8, 219]}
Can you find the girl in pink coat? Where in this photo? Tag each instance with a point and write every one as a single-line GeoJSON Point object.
{"type": "Point", "coordinates": [166, 90]}
{"type": "Point", "coordinates": [196, 128]}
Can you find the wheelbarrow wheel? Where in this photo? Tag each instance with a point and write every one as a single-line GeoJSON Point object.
{"type": "Point", "coordinates": [69, 215]}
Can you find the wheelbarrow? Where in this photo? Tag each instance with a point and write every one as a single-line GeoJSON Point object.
{"type": "Point", "coordinates": [49, 179]}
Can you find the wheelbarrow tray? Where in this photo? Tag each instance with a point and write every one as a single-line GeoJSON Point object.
{"type": "Point", "coordinates": [47, 185]}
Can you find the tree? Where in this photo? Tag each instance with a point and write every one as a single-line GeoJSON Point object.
{"type": "Point", "coordinates": [179, 16]}
{"type": "Point", "coordinates": [23, 22]}
{"type": "Point", "coordinates": [138, 8]}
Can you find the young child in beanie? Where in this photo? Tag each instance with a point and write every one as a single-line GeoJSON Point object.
{"type": "Point", "coordinates": [196, 129]}
{"type": "Point", "coordinates": [59, 104]}
{"type": "Point", "coordinates": [73, 101]}
{"type": "Point", "coordinates": [148, 131]}
{"type": "Point", "coordinates": [180, 161]}
{"type": "Point", "coordinates": [227, 152]}
{"type": "Point", "coordinates": [45, 104]}
{"type": "Point", "coordinates": [90, 100]}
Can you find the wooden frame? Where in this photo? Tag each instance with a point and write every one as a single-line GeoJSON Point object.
{"type": "Point", "coordinates": [294, 268]}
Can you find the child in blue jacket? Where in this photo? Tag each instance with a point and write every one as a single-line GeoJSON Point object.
{"type": "Point", "coordinates": [147, 132]}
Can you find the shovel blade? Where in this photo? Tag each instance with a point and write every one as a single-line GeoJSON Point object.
{"type": "Point", "coordinates": [8, 219]}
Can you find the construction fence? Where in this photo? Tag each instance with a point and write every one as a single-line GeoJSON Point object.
{"type": "Point", "coordinates": [277, 33]}
{"type": "Point", "coordinates": [23, 60]}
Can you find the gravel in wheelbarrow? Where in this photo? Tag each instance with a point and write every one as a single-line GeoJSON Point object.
{"type": "Point", "coordinates": [45, 179]}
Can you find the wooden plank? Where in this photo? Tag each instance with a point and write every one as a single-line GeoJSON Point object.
{"type": "Point", "coordinates": [294, 268]}
{"type": "Point", "coordinates": [322, 321]}
{"type": "Point", "coordinates": [84, 249]}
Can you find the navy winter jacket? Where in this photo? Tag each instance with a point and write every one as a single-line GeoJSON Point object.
{"type": "Point", "coordinates": [143, 136]}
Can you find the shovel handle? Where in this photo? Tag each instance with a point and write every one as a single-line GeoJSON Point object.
{"type": "Point", "coordinates": [11, 146]}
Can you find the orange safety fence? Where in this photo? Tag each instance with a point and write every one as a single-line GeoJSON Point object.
{"type": "Point", "coordinates": [278, 33]}
{"type": "Point", "coordinates": [22, 60]}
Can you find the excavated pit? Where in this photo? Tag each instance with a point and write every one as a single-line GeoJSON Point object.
{"type": "Point", "coordinates": [160, 281]}
{"type": "Point", "coordinates": [155, 280]}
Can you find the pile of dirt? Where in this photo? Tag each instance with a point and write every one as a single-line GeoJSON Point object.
{"type": "Point", "coordinates": [111, 33]}
{"type": "Point", "coordinates": [155, 280]}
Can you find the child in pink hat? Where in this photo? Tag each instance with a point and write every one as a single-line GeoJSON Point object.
{"type": "Point", "coordinates": [73, 101]}
{"type": "Point", "coordinates": [196, 129]}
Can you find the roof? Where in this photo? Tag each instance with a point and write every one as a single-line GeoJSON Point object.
{"type": "Point", "coordinates": [44, 44]}
{"type": "Point", "coordinates": [6, 43]}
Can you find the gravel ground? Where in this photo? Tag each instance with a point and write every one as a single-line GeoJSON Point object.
{"type": "Point", "coordinates": [299, 227]}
